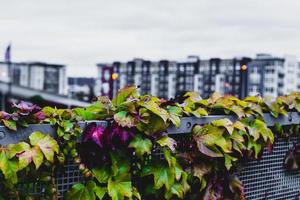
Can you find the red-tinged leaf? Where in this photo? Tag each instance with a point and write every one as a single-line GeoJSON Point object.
{"type": "Point", "coordinates": [270, 148]}
{"type": "Point", "coordinates": [210, 139]}
{"type": "Point", "coordinates": [237, 187]}
{"type": "Point", "coordinates": [34, 154]}
{"type": "Point", "coordinates": [193, 96]}
{"type": "Point", "coordinates": [199, 171]}
{"type": "Point", "coordinates": [214, 97]}
{"type": "Point", "coordinates": [292, 159]}
{"type": "Point", "coordinates": [14, 149]}
{"type": "Point", "coordinates": [259, 129]}
{"type": "Point", "coordinates": [46, 143]}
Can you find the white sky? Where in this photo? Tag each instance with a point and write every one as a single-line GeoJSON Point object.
{"type": "Point", "coordinates": [81, 33]}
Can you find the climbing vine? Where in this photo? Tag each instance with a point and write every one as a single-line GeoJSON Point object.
{"type": "Point", "coordinates": [133, 157]}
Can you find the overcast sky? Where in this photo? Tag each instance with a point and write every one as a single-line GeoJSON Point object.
{"type": "Point", "coordinates": [81, 33]}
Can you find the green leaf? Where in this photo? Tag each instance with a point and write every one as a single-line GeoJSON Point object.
{"type": "Point", "coordinates": [141, 145]}
{"type": "Point", "coordinates": [177, 190]}
{"type": "Point", "coordinates": [123, 94]}
{"type": "Point", "coordinates": [80, 192]}
{"type": "Point", "coordinates": [155, 109]}
{"type": "Point", "coordinates": [256, 146]}
{"type": "Point", "coordinates": [259, 128]}
{"type": "Point", "coordinates": [226, 123]}
{"type": "Point", "coordinates": [67, 125]}
{"type": "Point", "coordinates": [102, 174]}
{"type": "Point", "coordinates": [120, 165]}
{"type": "Point", "coordinates": [8, 167]}
{"type": "Point", "coordinates": [83, 114]}
{"type": "Point", "coordinates": [10, 124]}
{"type": "Point", "coordinates": [46, 143]}
{"type": "Point", "coordinates": [48, 111]}
{"type": "Point", "coordinates": [199, 112]}
{"type": "Point", "coordinates": [239, 125]}
{"type": "Point", "coordinates": [175, 112]}
{"type": "Point", "coordinates": [229, 160]}
{"type": "Point", "coordinates": [169, 158]}
{"type": "Point", "coordinates": [97, 107]}
{"type": "Point", "coordinates": [166, 141]}
{"type": "Point", "coordinates": [118, 189]}
{"type": "Point", "coordinates": [124, 119]}
{"type": "Point", "coordinates": [163, 175]}
{"type": "Point", "coordinates": [154, 125]}
{"type": "Point", "coordinates": [100, 192]}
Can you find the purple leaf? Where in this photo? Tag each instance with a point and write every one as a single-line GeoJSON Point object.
{"type": "Point", "coordinates": [25, 108]}
{"type": "Point", "coordinates": [124, 134]}
{"type": "Point", "coordinates": [95, 133]}
{"type": "Point", "coordinates": [40, 116]}
{"type": "Point", "coordinates": [5, 115]}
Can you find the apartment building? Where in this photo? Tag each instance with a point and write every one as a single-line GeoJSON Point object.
{"type": "Point", "coordinates": [36, 75]}
{"type": "Point", "coordinates": [81, 88]}
{"type": "Point", "coordinates": [239, 76]}
{"type": "Point", "coordinates": [272, 76]}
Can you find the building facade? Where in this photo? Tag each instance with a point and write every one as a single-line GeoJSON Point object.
{"type": "Point", "coordinates": [36, 75]}
{"type": "Point", "coordinates": [239, 76]}
{"type": "Point", "coordinates": [81, 88]}
{"type": "Point", "coordinates": [273, 76]}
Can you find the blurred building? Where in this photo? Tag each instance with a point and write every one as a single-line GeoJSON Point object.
{"type": "Point", "coordinates": [272, 76]}
{"type": "Point", "coordinates": [36, 75]}
{"type": "Point", "coordinates": [81, 88]}
{"type": "Point", "coordinates": [239, 76]}
{"type": "Point", "coordinates": [298, 77]}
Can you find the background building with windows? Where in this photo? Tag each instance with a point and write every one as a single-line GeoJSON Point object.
{"type": "Point", "coordinates": [239, 76]}
{"type": "Point", "coordinates": [81, 88]}
{"type": "Point", "coordinates": [36, 75]}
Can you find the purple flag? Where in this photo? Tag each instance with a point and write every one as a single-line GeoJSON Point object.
{"type": "Point", "coordinates": [7, 54]}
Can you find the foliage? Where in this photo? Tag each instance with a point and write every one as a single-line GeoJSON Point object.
{"type": "Point", "coordinates": [119, 159]}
